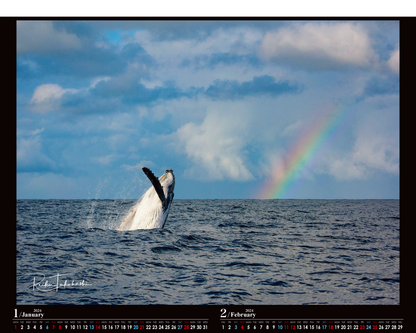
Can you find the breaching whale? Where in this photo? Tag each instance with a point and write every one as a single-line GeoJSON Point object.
{"type": "Point", "coordinates": [152, 209]}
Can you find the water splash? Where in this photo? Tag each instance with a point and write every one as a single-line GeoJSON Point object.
{"type": "Point", "coordinates": [115, 210]}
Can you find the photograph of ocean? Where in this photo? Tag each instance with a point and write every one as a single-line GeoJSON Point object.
{"type": "Point", "coordinates": [209, 161]}
{"type": "Point", "coordinates": [269, 252]}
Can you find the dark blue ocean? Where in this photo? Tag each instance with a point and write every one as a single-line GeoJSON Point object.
{"type": "Point", "coordinates": [210, 252]}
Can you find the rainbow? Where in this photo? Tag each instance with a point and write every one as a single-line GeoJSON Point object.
{"type": "Point", "coordinates": [303, 155]}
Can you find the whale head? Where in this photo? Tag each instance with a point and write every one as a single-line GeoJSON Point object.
{"type": "Point", "coordinates": [167, 180]}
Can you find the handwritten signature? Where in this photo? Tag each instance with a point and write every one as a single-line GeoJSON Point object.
{"type": "Point", "coordinates": [56, 281]}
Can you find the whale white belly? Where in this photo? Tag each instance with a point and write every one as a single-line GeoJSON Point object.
{"type": "Point", "coordinates": [147, 214]}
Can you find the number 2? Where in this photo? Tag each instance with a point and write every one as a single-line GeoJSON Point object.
{"type": "Point", "coordinates": [223, 313]}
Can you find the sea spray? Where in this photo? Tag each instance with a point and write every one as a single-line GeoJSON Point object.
{"type": "Point", "coordinates": [128, 190]}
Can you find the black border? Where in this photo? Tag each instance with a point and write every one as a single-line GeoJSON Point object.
{"type": "Point", "coordinates": [212, 312]}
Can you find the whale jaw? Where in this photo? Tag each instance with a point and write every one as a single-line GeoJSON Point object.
{"type": "Point", "coordinates": [152, 209]}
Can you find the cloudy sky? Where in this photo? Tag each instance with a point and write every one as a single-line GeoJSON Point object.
{"type": "Point", "coordinates": [233, 107]}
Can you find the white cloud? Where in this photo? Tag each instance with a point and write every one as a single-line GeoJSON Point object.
{"type": "Point", "coordinates": [24, 132]}
{"type": "Point", "coordinates": [29, 154]}
{"type": "Point", "coordinates": [293, 129]}
{"type": "Point", "coordinates": [30, 63]}
{"type": "Point", "coordinates": [138, 166]}
{"type": "Point", "coordinates": [378, 152]}
{"type": "Point", "coordinates": [37, 131]}
{"type": "Point", "coordinates": [96, 80]}
{"type": "Point", "coordinates": [42, 37]}
{"type": "Point", "coordinates": [370, 154]}
{"type": "Point", "coordinates": [47, 97]}
{"type": "Point", "coordinates": [347, 169]}
{"type": "Point", "coordinates": [46, 92]}
{"type": "Point", "coordinates": [370, 145]}
{"type": "Point", "coordinates": [319, 45]}
{"type": "Point", "coordinates": [394, 61]}
{"type": "Point", "coordinates": [215, 147]}
{"type": "Point", "coordinates": [105, 160]}
{"type": "Point", "coordinates": [239, 40]}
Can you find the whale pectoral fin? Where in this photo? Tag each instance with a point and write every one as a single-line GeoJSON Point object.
{"type": "Point", "coordinates": [156, 184]}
